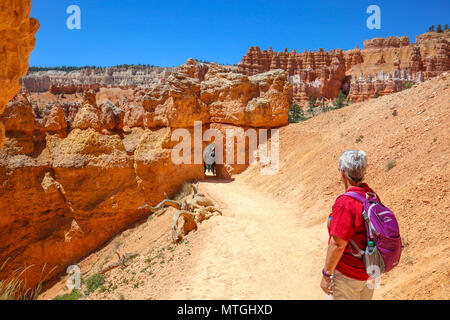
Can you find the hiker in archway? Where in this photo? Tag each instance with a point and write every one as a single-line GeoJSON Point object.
{"type": "Point", "coordinates": [212, 166]}
{"type": "Point", "coordinates": [344, 273]}
{"type": "Point", "coordinates": [209, 160]}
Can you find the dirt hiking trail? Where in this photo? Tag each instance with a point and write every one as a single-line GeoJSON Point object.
{"type": "Point", "coordinates": [256, 250]}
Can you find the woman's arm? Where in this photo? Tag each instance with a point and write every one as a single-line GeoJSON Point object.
{"type": "Point", "coordinates": [335, 250]}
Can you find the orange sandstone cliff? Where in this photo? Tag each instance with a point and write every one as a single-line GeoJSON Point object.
{"type": "Point", "coordinates": [17, 31]}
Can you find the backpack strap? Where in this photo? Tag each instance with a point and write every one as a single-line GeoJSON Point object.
{"type": "Point", "coordinates": [360, 252]}
{"type": "Point", "coordinates": [365, 214]}
{"type": "Point", "coordinates": [356, 196]}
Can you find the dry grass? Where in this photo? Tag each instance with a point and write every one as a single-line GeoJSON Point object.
{"type": "Point", "coordinates": [15, 288]}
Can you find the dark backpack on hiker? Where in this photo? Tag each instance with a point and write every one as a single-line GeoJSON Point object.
{"type": "Point", "coordinates": [384, 246]}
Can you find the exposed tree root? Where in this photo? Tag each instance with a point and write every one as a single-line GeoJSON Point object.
{"type": "Point", "coordinates": [188, 225]}
{"type": "Point", "coordinates": [121, 263]}
{"type": "Point", "coordinates": [193, 211]}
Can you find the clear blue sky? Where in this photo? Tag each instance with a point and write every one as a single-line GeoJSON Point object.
{"type": "Point", "coordinates": [167, 33]}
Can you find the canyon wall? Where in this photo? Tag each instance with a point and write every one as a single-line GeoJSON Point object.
{"type": "Point", "coordinates": [384, 65]}
{"type": "Point", "coordinates": [58, 82]}
{"type": "Point", "coordinates": [17, 31]}
{"type": "Point", "coordinates": [74, 175]}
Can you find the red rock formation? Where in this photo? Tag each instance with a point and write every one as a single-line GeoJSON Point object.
{"type": "Point", "coordinates": [88, 116]}
{"type": "Point", "coordinates": [16, 43]}
{"type": "Point", "coordinates": [365, 87]}
{"type": "Point", "coordinates": [55, 121]}
{"type": "Point", "coordinates": [111, 116]}
{"type": "Point", "coordinates": [320, 73]}
{"type": "Point", "coordinates": [257, 101]}
{"type": "Point", "coordinates": [400, 63]}
{"type": "Point", "coordinates": [18, 115]}
{"type": "Point", "coordinates": [325, 73]}
{"type": "Point", "coordinates": [383, 43]}
{"type": "Point", "coordinates": [222, 97]}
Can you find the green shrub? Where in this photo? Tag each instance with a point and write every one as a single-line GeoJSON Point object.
{"type": "Point", "coordinates": [339, 103]}
{"type": "Point", "coordinates": [377, 94]}
{"type": "Point", "coordinates": [312, 101]}
{"type": "Point", "coordinates": [94, 282]}
{"type": "Point", "coordinates": [295, 113]}
{"type": "Point", "coordinates": [408, 85]}
{"type": "Point", "coordinates": [74, 295]}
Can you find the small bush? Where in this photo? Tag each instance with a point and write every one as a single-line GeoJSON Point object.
{"type": "Point", "coordinates": [377, 94]}
{"type": "Point", "coordinates": [394, 113]}
{"type": "Point", "coordinates": [94, 282]}
{"type": "Point", "coordinates": [324, 107]}
{"type": "Point", "coordinates": [295, 114]}
{"type": "Point", "coordinates": [408, 85]}
{"type": "Point", "coordinates": [359, 139]}
{"type": "Point", "coordinates": [339, 103]}
{"type": "Point", "coordinates": [390, 164]}
{"type": "Point", "coordinates": [74, 295]}
{"type": "Point", "coordinates": [312, 104]}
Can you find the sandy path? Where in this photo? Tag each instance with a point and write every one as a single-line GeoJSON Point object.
{"type": "Point", "coordinates": [258, 249]}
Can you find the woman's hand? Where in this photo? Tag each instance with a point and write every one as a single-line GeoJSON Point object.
{"type": "Point", "coordinates": [326, 285]}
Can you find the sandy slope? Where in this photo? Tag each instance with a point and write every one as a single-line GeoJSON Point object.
{"type": "Point", "coordinates": [271, 240]}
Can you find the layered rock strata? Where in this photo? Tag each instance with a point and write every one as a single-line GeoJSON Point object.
{"type": "Point", "coordinates": [361, 72]}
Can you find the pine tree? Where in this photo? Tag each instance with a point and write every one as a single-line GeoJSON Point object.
{"type": "Point", "coordinates": [431, 28]}
{"type": "Point", "coordinates": [339, 103]}
{"type": "Point", "coordinates": [312, 101]}
{"type": "Point", "coordinates": [446, 27]}
{"type": "Point", "coordinates": [439, 28]}
{"type": "Point", "coordinates": [295, 113]}
{"type": "Point", "coordinates": [312, 104]}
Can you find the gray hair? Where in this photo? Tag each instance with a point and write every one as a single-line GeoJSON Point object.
{"type": "Point", "coordinates": [354, 163]}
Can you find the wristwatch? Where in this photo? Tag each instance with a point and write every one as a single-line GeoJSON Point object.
{"type": "Point", "coordinates": [325, 273]}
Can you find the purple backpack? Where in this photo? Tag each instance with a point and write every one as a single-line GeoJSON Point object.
{"type": "Point", "coordinates": [384, 245]}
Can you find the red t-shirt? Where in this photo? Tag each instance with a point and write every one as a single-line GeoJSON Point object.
{"type": "Point", "coordinates": [346, 222]}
